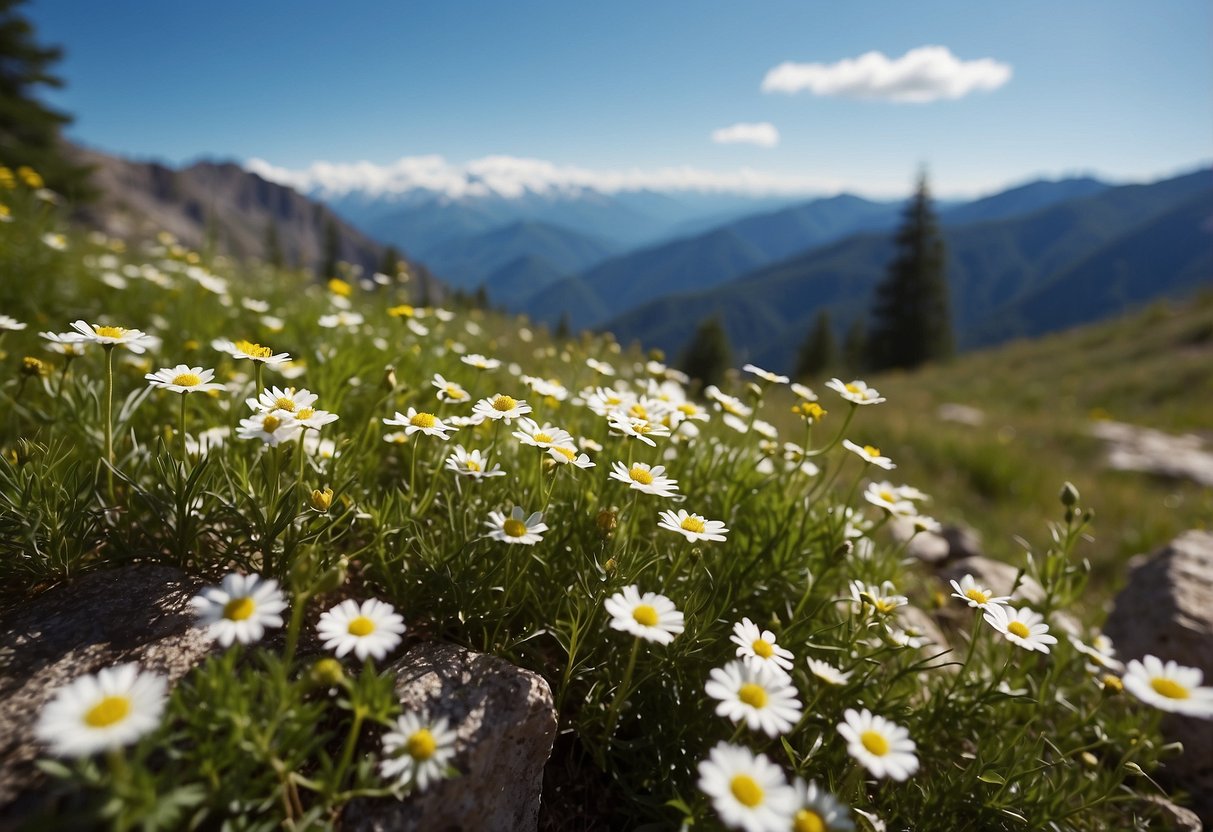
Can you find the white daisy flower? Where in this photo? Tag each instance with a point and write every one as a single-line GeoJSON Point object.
{"type": "Point", "coordinates": [271, 428]}
{"type": "Point", "coordinates": [600, 366]}
{"type": "Point", "coordinates": [530, 433]}
{"type": "Point", "coordinates": [56, 241]}
{"type": "Point", "coordinates": [254, 305]}
{"type": "Point", "coordinates": [546, 388]}
{"type": "Point", "coordinates": [239, 609]}
{"type": "Point", "coordinates": [889, 497]}
{"type": "Point", "coordinates": [418, 751]}
{"type": "Point", "coordinates": [855, 391]}
{"type": "Point", "coordinates": [251, 351]}
{"type": "Point", "coordinates": [641, 429]}
{"type": "Point", "coordinates": [345, 320]}
{"type": "Point", "coordinates": [1020, 626]}
{"type": "Point", "coordinates": [829, 674]}
{"type": "Point", "coordinates": [605, 401]}
{"type": "Point", "coordinates": [976, 595]}
{"type": "Point", "coordinates": [650, 616]}
{"type": "Point", "coordinates": [322, 448]}
{"type": "Point", "coordinates": [472, 464]}
{"type": "Point", "coordinates": [282, 398]}
{"type": "Point", "coordinates": [396, 437]}
{"type": "Point", "coordinates": [206, 441]}
{"type": "Point", "coordinates": [372, 629]}
{"type": "Point", "coordinates": [804, 392]}
{"type": "Point", "coordinates": [727, 403]}
{"type": "Point", "coordinates": [747, 790]}
{"type": "Point", "coordinates": [110, 336]}
{"type": "Point", "coordinates": [869, 454]}
{"type": "Point", "coordinates": [308, 417]}
{"type": "Point", "coordinates": [449, 390]}
{"type": "Point", "coordinates": [757, 692]}
{"type": "Point", "coordinates": [1169, 687]}
{"type": "Point", "coordinates": [882, 747]}
{"type": "Point", "coordinates": [1101, 651]}
{"type": "Point", "coordinates": [480, 362]}
{"type": "Point", "coordinates": [517, 528]}
{"type": "Point", "coordinates": [758, 644]}
{"type": "Point", "coordinates": [818, 810]}
{"type": "Point", "coordinates": [184, 379]}
{"type": "Point", "coordinates": [416, 421]}
{"type": "Point", "coordinates": [11, 324]}
{"type": "Point", "coordinates": [502, 407]}
{"type": "Point", "coordinates": [97, 713]}
{"type": "Point", "coordinates": [765, 375]}
{"type": "Point", "coordinates": [568, 456]}
{"type": "Point", "coordinates": [67, 343]}
{"type": "Point", "coordinates": [693, 526]}
{"type": "Point", "coordinates": [884, 598]}
{"type": "Point", "coordinates": [645, 478]}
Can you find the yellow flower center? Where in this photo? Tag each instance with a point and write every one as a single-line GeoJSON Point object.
{"type": "Point", "coordinates": [871, 450]}
{"type": "Point", "coordinates": [567, 453]}
{"type": "Point", "coordinates": [472, 465]}
{"type": "Point", "coordinates": [641, 476]}
{"type": "Point", "coordinates": [693, 524]}
{"type": "Point", "coordinates": [753, 695]}
{"type": "Point", "coordinates": [186, 380]}
{"type": "Point", "coordinates": [542, 437]}
{"type": "Point", "coordinates": [504, 404]}
{"type": "Point", "coordinates": [284, 403]}
{"type": "Point", "coordinates": [339, 287]}
{"type": "Point", "coordinates": [1019, 628]}
{"type": "Point", "coordinates": [806, 820]}
{"type": "Point", "coordinates": [884, 605]}
{"type": "Point", "coordinates": [361, 626]}
{"type": "Point", "coordinates": [270, 423]}
{"type": "Point", "coordinates": [455, 392]}
{"type": "Point", "coordinates": [306, 413]}
{"type": "Point", "coordinates": [423, 420]}
{"type": "Point", "coordinates": [403, 311]}
{"type": "Point", "coordinates": [1112, 682]}
{"type": "Point", "coordinates": [110, 710]}
{"type": "Point", "coordinates": [1169, 688]}
{"type": "Point", "coordinates": [253, 350]}
{"type": "Point", "coordinates": [888, 496]}
{"type": "Point", "coordinates": [514, 528]}
{"type": "Point", "coordinates": [110, 331]}
{"type": "Point", "coordinates": [851, 388]}
{"type": "Point", "coordinates": [645, 615]}
{"type": "Point", "coordinates": [638, 410]}
{"type": "Point", "coordinates": [875, 743]}
{"type": "Point", "coordinates": [422, 745]}
{"type": "Point", "coordinates": [977, 595]}
{"type": "Point", "coordinates": [746, 789]}
{"type": "Point", "coordinates": [239, 609]}
{"type": "Point", "coordinates": [763, 648]}
{"type": "Point", "coordinates": [687, 409]}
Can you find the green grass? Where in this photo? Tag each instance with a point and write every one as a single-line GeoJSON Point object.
{"type": "Point", "coordinates": [1006, 738]}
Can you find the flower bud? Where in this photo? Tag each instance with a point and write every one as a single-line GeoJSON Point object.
{"type": "Point", "coordinates": [1069, 495]}
{"type": "Point", "coordinates": [31, 366]}
{"type": "Point", "coordinates": [389, 378]}
{"type": "Point", "coordinates": [606, 521]}
{"type": "Point", "coordinates": [322, 500]}
{"type": "Point", "coordinates": [326, 673]}
{"type": "Point", "coordinates": [333, 577]}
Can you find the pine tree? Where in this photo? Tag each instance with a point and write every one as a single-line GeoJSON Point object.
{"type": "Point", "coordinates": [708, 355]}
{"type": "Point", "coordinates": [564, 327]}
{"type": "Point", "coordinates": [332, 250]}
{"type": "Point", "coordinates": [854, 347]}
{"type": "Point", "coordinates": [390, 265]}
{"type": "Point", "coordinates": [273, 245]}
{"type": "Point", "coordinates": [818, 352]}
{"type": "Point", "coordinates": [30, 130]}
{"type": "Point", "coordinates": [911, 318]}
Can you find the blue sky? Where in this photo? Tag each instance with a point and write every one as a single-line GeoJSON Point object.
{"type": "Point", "coordinates": [1118, 88]}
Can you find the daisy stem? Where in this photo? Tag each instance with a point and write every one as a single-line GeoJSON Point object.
{"type": "Point", "coordinates": [347, 753]}
{"type": "Point", "coordinates": [413, 469]}
{"type": "Point", "coordinates": [838, 437]}
{"type": "Point", "coordinates": [551, 485]}
{"type": "Point", "coordinates": [109, 415]}
{"type": "Point", "coordinates": [621, 692]}
{"type": "Point", "coordinates": [292, 633]}
{"type": "Point", "coordinates": [257, 388]}
{"type": "Point", "coordinates": [181, 431]}
{"type": "Point", "coordinates": [302, 455]}
{"type": "Point", "coordinates": [673, 573]}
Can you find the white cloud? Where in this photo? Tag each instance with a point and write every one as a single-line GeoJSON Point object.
{"type": "Point", "coordinates": [762, 134]}
{"type": "Point", "coordinates": [512, 177]}
{"type": "Point", "coordinates": [924, 74]}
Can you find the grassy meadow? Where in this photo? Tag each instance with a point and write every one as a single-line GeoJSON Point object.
{"type": "Point", "coordinates": [746, 660]}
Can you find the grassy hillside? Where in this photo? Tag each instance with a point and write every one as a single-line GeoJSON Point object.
{"type": "Point", "coordinates": [1039, 399]}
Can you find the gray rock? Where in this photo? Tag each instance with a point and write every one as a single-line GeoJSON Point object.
{"type": "Point", "coordinates": [506, 724]}
{"type": "Point", "coordinates": [954, 542]}
{"type": "Point", "coordinates": [137, 613]}
{"type": "Point", "coordinates": [1166, 610]}
{"type": "Point", "coordinates": [1134, 448]}
{"type": "Point", "coordinates": [1177, 818]}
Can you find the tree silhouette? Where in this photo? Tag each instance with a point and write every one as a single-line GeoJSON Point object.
{"type": "Point", "coordinates": [708, 355]}
{"type": "Point", "coordinates": [819, 350]}
{"type": "Point", "coordinates": [911, 318]}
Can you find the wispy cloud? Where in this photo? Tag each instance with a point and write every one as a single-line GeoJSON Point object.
{"type": "Point", "coordinates": [762, 133]}
{"type": "Point", "coordinates": [512, 177]}
{"type": "Point", "coordinates": [927, 73]}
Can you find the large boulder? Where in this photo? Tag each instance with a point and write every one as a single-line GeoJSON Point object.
{"type": "Point", "coordinates": [135, 614]}
{"type": "Point", "coordinates": [506, 723]}
{"type": "Point", "coordinates": [1166, 609]}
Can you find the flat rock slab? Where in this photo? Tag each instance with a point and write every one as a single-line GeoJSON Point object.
{"type": "Point", "coordinates": [505, 721]}
{"type": "Point", "coordinates": [1166, 609]}
{"type": "Point", "coordinates": [1133, 448]}
{"type": "Point", "coordinates": [134, 614]}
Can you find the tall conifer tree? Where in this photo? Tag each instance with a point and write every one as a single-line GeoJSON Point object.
{"type": "Point", "coordinates": [911, 315]}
